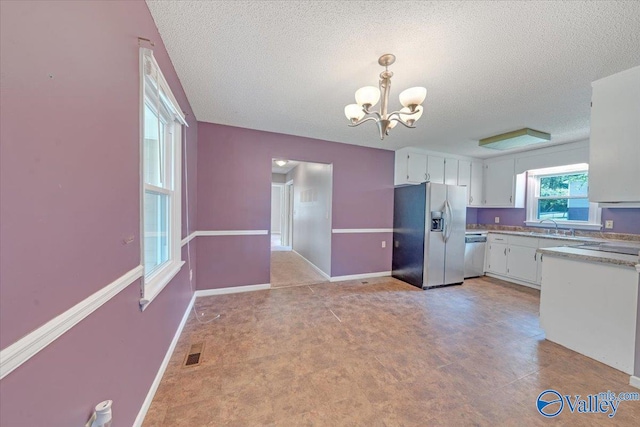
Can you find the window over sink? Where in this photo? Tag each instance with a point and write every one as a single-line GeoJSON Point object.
{"type": "Point", "coordinates": [560, 195]}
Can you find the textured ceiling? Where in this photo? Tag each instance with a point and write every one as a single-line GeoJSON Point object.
{"type": "Point", "coordinates": [283, 169]}
{"type": "Point", "coordinates": [489, 67]}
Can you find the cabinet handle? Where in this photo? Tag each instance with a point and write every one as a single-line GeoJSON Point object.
{"type": "Point", "coordinates": [510, 199]}
{"type": "Point", "coordinates": [541, 255]}
{"type": "Point", "coordinates": [428, 177]}
{"type": "Point", "coordinates": [535, 256]}
{"type": "Point", "coordinates": [425, 176]}
{"type": "Point", "coordinates": [471, 199]}
{"type": "Point", "coordinates": [505, 251]}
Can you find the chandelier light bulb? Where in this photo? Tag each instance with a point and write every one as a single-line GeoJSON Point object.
{"type": "Point", "coordinates": [411, 118]}
{"type": "Point", "coordinates": [368, 95]}
{"type": "Point", "coordinates": [281, 163]}
{"type": "Point", "coordinates": [413, 96]}
{"type": "Point", "coordinates": [353, 112]}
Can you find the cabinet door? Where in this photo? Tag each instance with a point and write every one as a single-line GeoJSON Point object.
{"type": "Point", "coordinates": [451, 172]}
{"type": "Point", "coordinates": [475, 191]}
{"type": "Point", "coordinates": [416, 168]}
{"type": "Point", "coordinates": [464, 173]}
{"type": "Point", "coordinates": [464, 177]}
{"type": "Point", "coordinates": [522, 263]}
{"type": "Point", "coordinates": [614, 144]}
{"type": "Point", "coordinates": [499, 179]}
{"type": "Point", "coordinates": [435, 169]}
{"type": "Point", "coordinates": [497, 258]}
{"type": "Point", "coordinates": [549, 243]}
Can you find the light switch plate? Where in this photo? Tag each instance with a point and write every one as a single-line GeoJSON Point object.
{"type": "Point", "coordinates": [384, 244]}
{"type": "Point", "coordinates": [497, 220]}
{"type": "Point", "coordinates": [608, 224]}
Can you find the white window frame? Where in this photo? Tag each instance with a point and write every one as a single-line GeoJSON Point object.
{"type": "Point", "coordinates": [533, 192]}
{"type": "Point", "coordinates": [155, 91]}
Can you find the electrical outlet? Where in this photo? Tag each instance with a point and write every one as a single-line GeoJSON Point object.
{"type": "Point", "coordinates": [608, 224]}
{"type": "Point", "coordinates": [384, 244]}
{"type": "Point", "coordinates": [497, 220]}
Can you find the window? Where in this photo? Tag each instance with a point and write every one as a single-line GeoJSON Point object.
{"type": "Point", "coordinates": [561, 194]}
{"type": "Point", "coordinates": [161, 136]}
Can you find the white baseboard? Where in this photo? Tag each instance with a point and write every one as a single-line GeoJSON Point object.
{"type": "Point", "coordinates": [163, 366]}
{"type": "Point", "coordinates": [315, 267]}
{"type": "Point", "coordinates": [360, 276]}
{"type": "Point", "coordinates": [634, 381]}
{"type": "Point", "coordinates": [232, 290]}
{"type": "Point", "coordinates": [29, 345]}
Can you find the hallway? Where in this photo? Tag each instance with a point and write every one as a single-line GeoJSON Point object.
{"type": "Point", "coordinates": [290, 269]}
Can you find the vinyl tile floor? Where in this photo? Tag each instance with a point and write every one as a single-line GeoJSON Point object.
{"type": "Point", "coordinates": [290, 269]}
{"type": "Point", "coordinates": [378, 353]}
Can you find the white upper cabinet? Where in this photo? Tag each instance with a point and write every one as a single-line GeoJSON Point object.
{"type": "Point", "coordinates": [435, 169]}
{"type": "Point", "coordinates": [502, 187]}
{"type": "Point", "coordinates": [476, 191]}
{"type": "Point", "coordinates": [464, 173]}
{"type": "Point", "coordinates": [614, 148]}
{"type": "Point", "coordinates": [416, 168]}
{"type": "Point", "coordinates": [470, 176]}
{"type": "Point", "coordinates": [451, 171]}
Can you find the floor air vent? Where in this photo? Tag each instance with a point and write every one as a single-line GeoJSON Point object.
{"type": "Point", "coordinates": [194, 355]}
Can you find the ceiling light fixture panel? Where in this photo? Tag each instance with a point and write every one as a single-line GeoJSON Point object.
{"type": "Point", "coordinates": [515, 139]}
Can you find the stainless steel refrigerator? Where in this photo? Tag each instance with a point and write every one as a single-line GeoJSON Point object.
{"type": "Point", "coordinates": [429, 224]}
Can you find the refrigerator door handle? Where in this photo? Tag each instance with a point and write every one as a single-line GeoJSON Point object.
{"type": "Point", "coordinates": [445, 224]}
{"type": "Point", "coordinates": [448, 220]}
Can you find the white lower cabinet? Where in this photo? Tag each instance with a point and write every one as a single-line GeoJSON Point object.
{"type": "Point", "coordinates": [514, 258]}
{"type": "Point", "coordinates": [522, 263]}
{"type": "Point", "coordinates": [497, 258]}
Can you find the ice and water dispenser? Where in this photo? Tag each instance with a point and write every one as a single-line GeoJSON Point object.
{"type": "Point", "coordinates": [437, 221]}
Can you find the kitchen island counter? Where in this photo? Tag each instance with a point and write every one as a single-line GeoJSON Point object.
{"type": "Point", "coordinates": [589, 303]}
{"type": "Point", "coordinates": [589, 255]}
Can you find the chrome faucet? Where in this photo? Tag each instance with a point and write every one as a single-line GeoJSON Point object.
{"type": "Point", "coordinates": [553, 221]}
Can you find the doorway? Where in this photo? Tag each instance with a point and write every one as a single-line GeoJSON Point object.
{"type": "Point", "coordinates": [301, 201]}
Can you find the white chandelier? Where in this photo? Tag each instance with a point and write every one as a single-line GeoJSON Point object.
{"type": "Point", "coordinates": [368, 96]}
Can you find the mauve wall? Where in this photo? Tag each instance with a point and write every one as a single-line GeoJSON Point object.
{"type": "Point", "coordinates": [234, 181]}
{"type": "Point", "coordinates": [625, 220]}
{"type": "Point", "coordinates": [508, 216]}
{"type": "Point", "coordinates": [69, 195]}
{"type": "Point", "coordinates": [472, 215]}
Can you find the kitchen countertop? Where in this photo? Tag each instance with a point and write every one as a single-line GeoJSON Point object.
{"type": "Point", "coordinates": [548, 236]}
{"type": "Point", "coordinates": [582, 254]}
{"type": "Point", "coordinates": [572, 252]}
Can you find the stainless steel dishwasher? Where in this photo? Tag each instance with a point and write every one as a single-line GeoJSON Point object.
{"type": "Point", "coordinates": [474, 254]}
